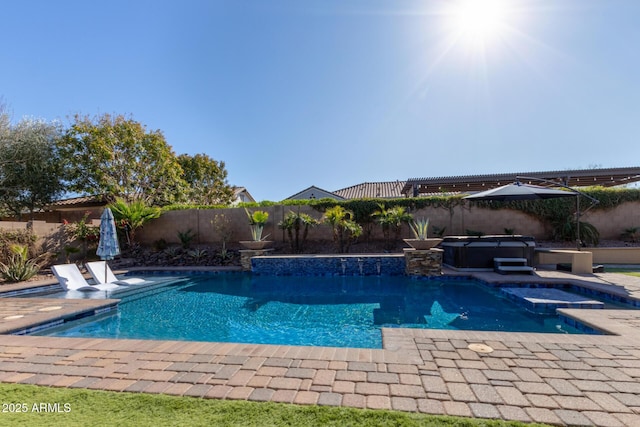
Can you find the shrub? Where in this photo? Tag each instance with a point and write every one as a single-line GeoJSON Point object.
{"type": "Point", "coordinates": [222, 226]}
{"type": "Point", "coordinates": [81, 231]}
{"type": "Point", "coordinates": [160, 245]}
{"type": "Point", "coordinates": [8, 238]}
{"type": "Point", "coordinates": [186, 237]}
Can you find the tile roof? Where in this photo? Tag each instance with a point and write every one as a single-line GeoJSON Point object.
{"type": "Point", "coordinates": [385, 189]}
{"type": "Point", "coordinates": [78, 202]}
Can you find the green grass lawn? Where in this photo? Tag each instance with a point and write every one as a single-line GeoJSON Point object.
{"type": "Point", "coordinates": [628, 272]}
{"type": "Point", "coordinates": [79, 407]}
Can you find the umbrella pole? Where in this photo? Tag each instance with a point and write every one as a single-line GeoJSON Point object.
{"type": "Point", "coordinates": [578, 241]}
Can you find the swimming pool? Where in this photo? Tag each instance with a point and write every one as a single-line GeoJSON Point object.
{"type": "Point", "coordinates": [319, 311]}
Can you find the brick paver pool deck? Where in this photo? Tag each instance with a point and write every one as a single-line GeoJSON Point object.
{"type": "Point", "coordinates": [550, 378]}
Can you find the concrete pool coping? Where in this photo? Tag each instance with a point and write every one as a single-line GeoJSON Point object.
{"type": "Point", "coordinates": [552, 378]}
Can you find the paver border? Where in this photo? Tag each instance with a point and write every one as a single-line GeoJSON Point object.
{"type": "Point", "coordinates": [551, 378]}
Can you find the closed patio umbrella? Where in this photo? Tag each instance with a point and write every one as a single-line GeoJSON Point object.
{"type": "Point", "coordinates": [108, 246]}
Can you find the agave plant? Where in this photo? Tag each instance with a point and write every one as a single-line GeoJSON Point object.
{"type": "Point", "coordinates": [257, 221]}
{"type": "Point", "coordinates": [420, 228]}
{"type": "Point", "coordinates": [19, 267]}
{"type": "Point", "coordinates": [172, 252]}
{"type": "Point", "coordinates": [197, 254]}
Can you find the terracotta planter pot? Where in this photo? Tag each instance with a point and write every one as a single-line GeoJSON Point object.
{"type": "Point", "coordinates": [422, 244]}
{"type": "Point", "coordinates": [255, 244]}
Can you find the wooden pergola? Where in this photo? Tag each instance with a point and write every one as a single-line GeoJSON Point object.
{"type": "Point", "coordinates": [610, 177]}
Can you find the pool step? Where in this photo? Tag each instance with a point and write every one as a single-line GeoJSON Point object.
{"type": "Point", "coordinates": [541, 300]}
{"type": "Point", "coordinates": [511, 265]}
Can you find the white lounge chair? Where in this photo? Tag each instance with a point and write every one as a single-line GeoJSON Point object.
{"type": "Point", "coordinates": [97, 270]}
{"type": "Point", "coordinates": [71, 278]}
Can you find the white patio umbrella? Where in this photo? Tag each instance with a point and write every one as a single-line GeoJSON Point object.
{"type": "Point", "coordinates": [108, 246]}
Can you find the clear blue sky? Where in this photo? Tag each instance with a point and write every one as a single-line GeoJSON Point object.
{"type": "Point", "coordinates": [333, 93]}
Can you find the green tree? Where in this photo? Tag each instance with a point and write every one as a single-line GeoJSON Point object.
{"type": "Point", "coordinates": [30, 167]}
{"type": "Point", "coordinates": [206, 179]}
{"type": "Point", "coordinates": [5, 119]}
{"type": "Point", "coordinates": [119, 157]}
{"type": "Point", "coordinates": [133, 215]}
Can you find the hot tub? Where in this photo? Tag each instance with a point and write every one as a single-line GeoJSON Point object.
{"type": "Point", "coordinates": [479, 252]}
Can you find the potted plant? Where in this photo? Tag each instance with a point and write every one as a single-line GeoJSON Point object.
{"type": "Point", "coordinates": [257, 221]}
{"type": "Point", "coordinates": [420, 229]}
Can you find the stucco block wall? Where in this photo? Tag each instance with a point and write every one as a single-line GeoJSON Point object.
{"type": "Point", "coordinates": [50, 236]}
{"type": "Point", "coordinates": [456, 222]}
{"type": "Point", "coordinates": [201, 222]}
{"type": "Point", "coordinates": [610, 223]}
{"type": "Point", "coordinates": [494, 221]}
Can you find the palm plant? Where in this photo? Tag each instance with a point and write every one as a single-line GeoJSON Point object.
{"type": "Point", "coordinates": [438, 231]}
{"type": "Point", "coordinates": [132, 216]}
{"type": "Point", "coordinates": [565, 229]}
{"type": "Point", "coordinates": [345, 229]}
{"type": "Point", "coordinates": [186, 237]}
{"type": "Point", "coordinates": [631, 233]}
{"type": "Point", "coordinates": [391, 219]}
{"type": "Point", "coordinates": [293, 223]}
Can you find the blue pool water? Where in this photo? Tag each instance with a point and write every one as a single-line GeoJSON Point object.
{"type": "Point", "coordinates": [322, 311]}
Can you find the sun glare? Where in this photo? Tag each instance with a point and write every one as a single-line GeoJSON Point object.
{"type": "Point", "coordinates": [478, 22]}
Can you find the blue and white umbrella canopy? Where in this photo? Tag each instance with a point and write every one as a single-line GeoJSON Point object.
{"type": "Point", "coordinates": [108, 246]}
